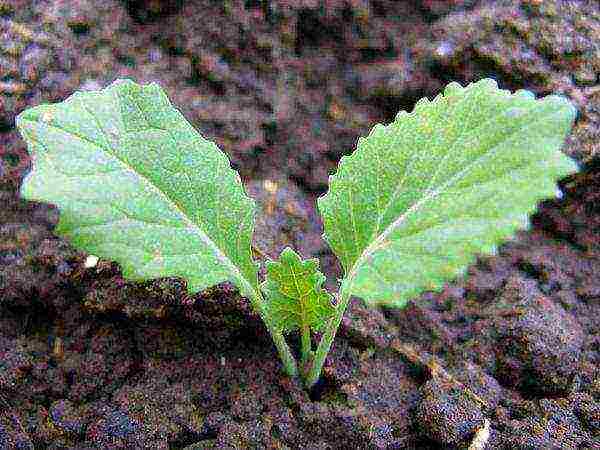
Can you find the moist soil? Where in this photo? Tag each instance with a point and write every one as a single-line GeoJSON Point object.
{"type": "Point", "coordinates": [504, 357]}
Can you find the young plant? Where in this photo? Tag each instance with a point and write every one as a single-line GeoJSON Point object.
{"type": "Point", "coordinates": [407, 211]}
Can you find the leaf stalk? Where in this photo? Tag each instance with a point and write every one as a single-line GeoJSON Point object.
{"type": "Point", "coordinates": [327, 338]}
{"type": "Point", "coordinates": [289, 362]}
{"type": "Point", "coordinates": [305, 348]}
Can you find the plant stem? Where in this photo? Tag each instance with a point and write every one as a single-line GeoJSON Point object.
{"type": "Point", "coordinates": [328, 337]}
{"type": "Point", "coordinates": [305, 348]}
{"type": "Point", "coordinates": [289, 362]}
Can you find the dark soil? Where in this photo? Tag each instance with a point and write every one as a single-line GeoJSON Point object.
{"type": "Point", "coordinates": [88, 360]}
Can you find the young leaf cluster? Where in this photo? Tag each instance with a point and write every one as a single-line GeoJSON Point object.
{"type": "Point", "coordinates": [407, 211]}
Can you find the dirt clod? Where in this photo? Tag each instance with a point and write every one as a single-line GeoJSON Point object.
{"type": "Point", "coordinates": [539, 349]}
{"type": "Point", "coordinates": [446, 414]}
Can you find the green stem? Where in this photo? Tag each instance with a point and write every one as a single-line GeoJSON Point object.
{"type": "Point", "coordinates": [328, 337]}
{"type": "Point", "coordinates": [305, 348]}
{"type": "Point", "coordinates": [289, 362]}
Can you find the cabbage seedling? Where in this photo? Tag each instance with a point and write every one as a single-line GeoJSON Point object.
{"type": "Point", "coordinates": [407, 211]}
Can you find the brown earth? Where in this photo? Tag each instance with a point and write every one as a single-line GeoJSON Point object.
{"type": "Point", "coordinates": [88, 360]}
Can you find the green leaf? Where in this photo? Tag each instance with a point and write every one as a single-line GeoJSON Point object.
{"type": "Point", "coordinates": [419, 198]}
{"type": "Point", "coordinates": [295, 298]}
{"type": "Point", "coordinates": [135, 183]}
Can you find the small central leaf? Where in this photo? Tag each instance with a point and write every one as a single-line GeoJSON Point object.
{"type": "Point", "coordinates": [295, 298]}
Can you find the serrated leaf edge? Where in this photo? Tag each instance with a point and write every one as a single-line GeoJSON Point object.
{"type": "Point", "coordinates": [423, 103]}
{"type": "Point", "coordinates": [317, 287]}
{"type": "Point", "coordinates": [246, 287]}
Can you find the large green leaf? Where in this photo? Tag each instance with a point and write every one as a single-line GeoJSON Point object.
{"type": "Point", "coordinates": [419, 198]}
{"type": "Point", "coordinates": [295, 297]}
{"type": "Point", "coordinates": [135, 183]}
